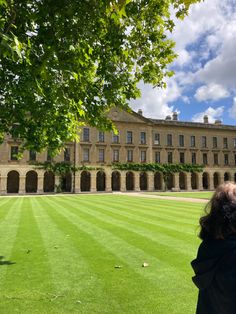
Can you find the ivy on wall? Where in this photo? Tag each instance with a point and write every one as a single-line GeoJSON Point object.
{"type": "Point", "coordinates": [163, 168]}
{"type": "Point", "coordinates": [62, 168]}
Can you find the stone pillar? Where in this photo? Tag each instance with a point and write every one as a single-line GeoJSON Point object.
{"type": "Point", "coordinates": [200, 187]}
{"type": "Point", "coordinates": [221, 178]}
{"type": "Point", "coordinates": [3, 185]}
{"type": "Point", "coordinates": [188, 181]}
{"type": "Point", "coordinates": [136, 181]}
{"type": "Point", "coordinates": [93, 187]}
{"type": "Point", "coordinates": [77, 182]}
{"type": "Point", "coordinates": [150, 181]}
{"type": "Point", "coordinates": [211, 182]}
{"type": "Point", "coordinates": [22, 185]}
{"type": "Point", "coordinates": [108, 182]}
{"type": "Point", "coordinates": [57, 182]}
{"type": "Point", "coordinates": [123, 182]}
{"type": "Point", "coordinates": [176, 181]}
{"type": "Point", "coordinates": [40, 184]}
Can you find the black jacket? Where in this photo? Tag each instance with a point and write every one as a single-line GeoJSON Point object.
{"type": "Point", "coordinates": [215, 269]}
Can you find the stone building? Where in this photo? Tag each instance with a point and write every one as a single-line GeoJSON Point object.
{"type": "Point", "coordinates": [140, 140]}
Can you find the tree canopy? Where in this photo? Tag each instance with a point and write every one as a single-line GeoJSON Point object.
{"type": "Point", "coordinates": [67, 62]}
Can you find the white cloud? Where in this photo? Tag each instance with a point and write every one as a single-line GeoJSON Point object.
{"type": "Point", "coordinates": [204, 20]}
{"type": "Point", "coordinates": [232, 110]}
{"type": "Point", "coordinates": [212, 113]}
{"type": "Point", "coordinates": [211, 92]}
{"type": "Point", "coordinates": [205, 42]}
{"type": "Point", "coordinates": [154, 102]}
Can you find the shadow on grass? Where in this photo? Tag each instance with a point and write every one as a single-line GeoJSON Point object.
{"type": "Point", "coordinates": [2, 262]}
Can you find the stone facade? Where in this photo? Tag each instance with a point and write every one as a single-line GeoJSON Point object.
{"type": "Point", "coordinates": [140, 140]}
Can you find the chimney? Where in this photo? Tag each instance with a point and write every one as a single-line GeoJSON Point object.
{"type": "Point", "coordinates": [218, 122]}
{"type": "Point", "coordinates": [175, 116]}
{"type": "Point", "coordinates": [205, 119]}
{"type": "Point", "coordinates": [168, 118]}
{"type": "Point", "coordinates": [140, 111]}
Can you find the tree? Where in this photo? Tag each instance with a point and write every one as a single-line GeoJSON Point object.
{"type": "Point", "coordinates": [67, 62]}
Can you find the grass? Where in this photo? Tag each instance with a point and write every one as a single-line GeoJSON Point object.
{"type": "Point", "coordinates": [202, 195]}
{"type": "Point", "coordinates": [59, 255]}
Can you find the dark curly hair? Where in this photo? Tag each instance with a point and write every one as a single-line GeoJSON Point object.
{"type": "Point", "coordinates": [220, 219]}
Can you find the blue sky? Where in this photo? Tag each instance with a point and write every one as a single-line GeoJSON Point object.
{"type": "Point", "coordinates": [205, 70]}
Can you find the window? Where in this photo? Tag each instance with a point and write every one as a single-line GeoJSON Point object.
{"type": "Point", "coordinates": [181, 158]}
{"type": "Point", "coordinates": [204, 141]}
{"type": "Point", "coordinates": [86, 134]}
{"type": "Point", "coordinates": [194, 158]}
{"type": "Point", "coordinates": [192, 141]}
{"type": "Point", "coordinates": [214, 142]}
{"type": "Point", "coordinates": [181, 140]}
{"type": "Point", "coordinates": [101, 137]}
{"type": "Point", "coordinates": [115, 138]}
{"type": "Point", "coordinates": [14, 152]}
{"type": "Point", "coordinates": [129, 137]}
{"type": "Point", "coordinates": [129, 155]}
{"type": "Point", "coordinates": [169, 139]}
{"type": "Point", "coordinates": [67, 154]}
{"type": "Point", "coordinates": [225, 142]}
{"type": "Point", "coordinates": [143, 156]}
{"type": "Point", "coordinates": [169, 157]}
{"type": "Point", "coordinates": [216, 161]}
{"type": "Point", "coordinates": [204, 159]}
{"type": "Point", "coordinates": [115, 155]}
{"type": "Point", "coordinates": [234, 142]}
{"type": "Point", "coordinates": [101, 155]}
{"type": "Point", "coordinates": [157, 157]}
{"type": "Point", "coordinates": [142, 137]}
{"type": "Point", "coordinates": [32, 155]}
{"type": "Point", "coordinates": [226, 159]}
{"type": "Point", "coordinates": [157, 139]}
{"type": "Point", "coordinates": [86, 154]}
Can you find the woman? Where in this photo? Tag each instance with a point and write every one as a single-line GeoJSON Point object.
{"type": "Point", "coordinates": [215, 265]}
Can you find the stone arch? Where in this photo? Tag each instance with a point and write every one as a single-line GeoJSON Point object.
{"type": "Point", "coordinates": [66, 182]}
{"type": "Point", "coordinates": [143, 181]}
{"type": "Point", "coordinates": [48, 182]}
{"type": "Point", "coordinates": [169, 181]}
{"type": "Point", "coordinates": [182, 181]}
{"type": "Point", "coordinates": [31, 182]}
{"type": "Point", "coordinates": [115, 181]}
{"type": "Point", "coordinates": [216, 179]}
{"type": "Point", "coordinates": [101, 181]}
{"type": "Point", "coordinates": [158, 179]}
{"type": "Point", "coordinates": [85, 181]}
{"type": "Point", "coordinates": [194, 181]}
{"type": "Point", "coordinates": [13, 182]}
{"type": "Point", "coordinates": [205, 181]}
{"type": "Point", "coordinates": [129, 181]}
{"type": "Point", "coordinates": [227, 176]}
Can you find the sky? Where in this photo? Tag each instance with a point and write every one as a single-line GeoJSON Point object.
{"type": "Point", "coordinates": [204, 82]}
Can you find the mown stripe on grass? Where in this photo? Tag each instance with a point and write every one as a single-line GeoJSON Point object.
{"type": "Point", "coordinates": [147, 237]}
{"type": "Point", "coordinates": [157, 220]}
{"type": "Point", "coordinates": [101, 287]}
{"type": "Point", "coordinates": [8, 226]}
{"type": "Point", "coordinates": [28, 283]}
{"type": "Point", "coordinates": [169, 210]}
{"type": "Point", "coordinates": [72, 276]}
{"type": "Point", "coordinates": [5, 204]}
{"type": "Point", "coordinates": [129, 254]}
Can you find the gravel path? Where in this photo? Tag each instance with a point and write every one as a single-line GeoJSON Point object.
{"type": "Point", "coordinates": [173, 198]}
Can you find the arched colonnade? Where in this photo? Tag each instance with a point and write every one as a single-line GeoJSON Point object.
{"type": "Point", "coordinates": [38, 181]}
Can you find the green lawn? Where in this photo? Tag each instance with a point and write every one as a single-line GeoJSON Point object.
{"type": "Point", "coordinates": [203, 195]}
{"type": "Point", "coordinates": [58, 255]}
